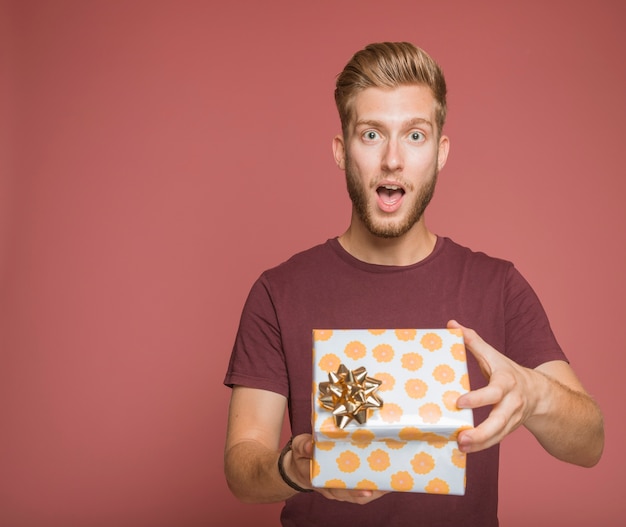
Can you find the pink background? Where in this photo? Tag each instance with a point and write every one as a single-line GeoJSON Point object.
{"type": "Point", "coordinates": [157, 156]}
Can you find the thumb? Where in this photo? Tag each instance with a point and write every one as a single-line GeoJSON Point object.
{"type": "Point", "coordinates": [302, 445]}
{"type": "Point", "coordinates": [482, 352]}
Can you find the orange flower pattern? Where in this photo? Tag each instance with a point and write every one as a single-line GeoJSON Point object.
{"type": "Point", "coordinates": [458, 352]}
{"type": "Point", "coordinates": [422, 463]}
{"type": "Point", "coordinates": [362, 437]}
{"type": "Point", "coordinates": [416, 388]}
{"type": "Point", "coordinates": [325, 445]}
{"type": "Point", "coordinates": [348, 461]}
{"type": "Point", "coordinates": [355, 350]}
{"type": "Point", "coordinates": [329, 362]}
{"type": "Point", "coordinates": [383, 353]}
{"type": "Point", "coordinates": [315, 468]}
{"type": "Point", "coordinates": [431, 341]}
{"type": "Point", "coordinates": [436, 440]}
{"type": "Point", "coordinates": [444, 374]}
{"type": "Point", "coordinates": [378, 460]}
{"type": "Point", "coordinates": [458, 458]}
{"type": "Point", "coordinates": [449, 400]}
{"type": "Point", "coordinates": [388, 381]}
{"type": "Point", "coordinates": [322, 334]}
{"type": "Point", "coordinates": [332, 431]}
{"type": "Point", "coordinates": [437, 486]}
{"type": "Point", "coordinates": [409, 444]}
{"type": "Point", "coordinates": [412, 361]}
{"type": "Point", "coordinates": [391, 413]}
{"type": "Point", "coordinates": [406, 334]}
{"type": "Point", "coordinates": [366, 484]}
{"type": "Point", "coordinates": [430, 413]}
{"type": "Point", "coordinates": [394, 444]}
{"type": "Point", "coordinates": [410, 433]}
{"type": "Point", "coordinates": [401, 481]}
{"type": "Point", "coordinates": [335, 484]}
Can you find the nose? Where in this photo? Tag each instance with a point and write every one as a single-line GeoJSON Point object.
{"type": "Point", "coordinates": [393, 159]}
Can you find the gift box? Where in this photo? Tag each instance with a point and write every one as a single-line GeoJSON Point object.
{"type": "Point", "coordinates": [384, 409]}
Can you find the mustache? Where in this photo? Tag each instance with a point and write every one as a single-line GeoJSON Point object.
{"type": "Point", "coordinates": [382, 178]}
{"type": "Point", "coordinates": [393, 180]}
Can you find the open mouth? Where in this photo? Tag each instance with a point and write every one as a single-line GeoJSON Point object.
{"type": "Point", "coordinates": [390, 194]}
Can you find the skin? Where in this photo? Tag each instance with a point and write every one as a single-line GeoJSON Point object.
{"type": "Point", "coordinates": [393, 139]}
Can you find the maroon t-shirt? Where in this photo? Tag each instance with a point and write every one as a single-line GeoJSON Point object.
{"type": "Point", "coordinates": [326, 287]}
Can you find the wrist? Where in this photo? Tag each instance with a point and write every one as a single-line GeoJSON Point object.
{"type": "Point", "coordinates": [283, 473]}
{"type": "Point", "coordinates": [543, 393]}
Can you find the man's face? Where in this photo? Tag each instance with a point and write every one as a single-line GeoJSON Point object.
{"type": "Point", "coordinates": [391, 153]}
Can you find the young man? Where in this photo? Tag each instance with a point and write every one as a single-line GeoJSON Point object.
{"type": "Point", "coordinates": [389, 271]}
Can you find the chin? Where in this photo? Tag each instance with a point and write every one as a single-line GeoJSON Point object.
{"type": "Point", "coordinates": [390, 230]}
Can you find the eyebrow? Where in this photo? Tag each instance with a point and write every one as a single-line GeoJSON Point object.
{"type": "Point", "coordinates": [411, 122]}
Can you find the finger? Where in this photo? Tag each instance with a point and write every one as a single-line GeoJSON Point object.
{"type": "Point", "coordinates": [486, 396]}
{"type": "Point", "coordinates": [490, 432]}
{"type": "Point", "coordinates": [506, 416]}
{"type": "Point", "coordinates": [360, 497]}
{"type": "Point", "coordinates": [484, 354]}
{"type": "Point", "coordinates": [346, 495]}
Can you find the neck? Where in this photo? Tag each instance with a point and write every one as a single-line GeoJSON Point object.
{"type": "Point", "coordinates": [408, 249]}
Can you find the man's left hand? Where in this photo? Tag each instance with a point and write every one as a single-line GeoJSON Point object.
{"type": "Point", "coordinates": [511, 389]}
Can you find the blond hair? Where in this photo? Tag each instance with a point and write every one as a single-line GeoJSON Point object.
{"type": "Point", "coordinates": [389, 65]}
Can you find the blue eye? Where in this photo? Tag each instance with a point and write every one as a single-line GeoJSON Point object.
{"type": "Point", "coordinates": [417, 136]}
{"type": "Point", "coordinates": [371, 135]}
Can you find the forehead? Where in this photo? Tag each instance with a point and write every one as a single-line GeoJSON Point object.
{"type": "Point", "coordinates": [394, 105]}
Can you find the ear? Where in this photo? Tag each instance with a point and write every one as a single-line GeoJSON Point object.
{"type": "Point", "coordinates": [442, 152]}
{"type": "Point", "coordinates": [339, 151]}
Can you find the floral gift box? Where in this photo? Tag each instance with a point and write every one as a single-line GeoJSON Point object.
{"type": "Point", "coordinates": [384, 409]}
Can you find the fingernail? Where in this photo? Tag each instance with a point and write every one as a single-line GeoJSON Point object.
{"type": "Point", "coordinates": [464, 441]}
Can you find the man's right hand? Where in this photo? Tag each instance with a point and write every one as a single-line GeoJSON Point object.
{"type": "Point", "coordinates": [300, 472]}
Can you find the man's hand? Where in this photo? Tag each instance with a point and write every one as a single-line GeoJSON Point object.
{"type": "Point", "coordinates": [299, 471]}
{"type": "Point", "coordinates": [252, 447]}
{"type": "Point", "coordinates": [512, 390]}
{"type": "Point", "coordinates": [549, 401]}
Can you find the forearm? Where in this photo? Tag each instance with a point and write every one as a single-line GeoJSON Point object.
{"type": "Point", "coordinates": [252, 473]}
{"type": "Point", "coordinates": [567, 423]}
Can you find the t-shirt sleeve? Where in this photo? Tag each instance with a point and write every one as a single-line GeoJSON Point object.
{"type": "Point", "coordinates": [257, 360]}
{"type": "Point", "coordinates": [528, 336]}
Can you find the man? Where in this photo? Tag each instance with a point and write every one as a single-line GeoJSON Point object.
{"type": "Point", "coordinates": [389, 271]}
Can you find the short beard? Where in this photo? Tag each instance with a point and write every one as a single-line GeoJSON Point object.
{"type": "Point", "coordinates": [388, 230]}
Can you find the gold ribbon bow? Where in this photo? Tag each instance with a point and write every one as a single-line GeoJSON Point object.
{"type": "Point", "coordinates": [349, 394]}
